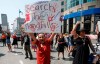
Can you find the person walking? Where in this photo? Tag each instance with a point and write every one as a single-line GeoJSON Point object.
{"type": "Point", "coordinates": [8, 41]}
{"type": "Point", "coordinates": [71, 45]}
{"type": "Point", "coordinates": [61, 44]}
{"type": "Point", "coordinates": [43, 47]}
{"type": "Point", "coordinates": [15, 43]}
{"type": "Point", "coordinates": [27, 46]}
{"type": "Point", "coordinates": [22, 39]}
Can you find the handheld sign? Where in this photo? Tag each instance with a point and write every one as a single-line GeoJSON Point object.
{"type": "Point", "coordinates": [44, 17]}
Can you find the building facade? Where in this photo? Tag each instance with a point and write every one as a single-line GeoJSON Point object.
{"type": "Point", "coordinates": [63, 5]}
{"type": "Point", "coordinates": [4, 20]}
{"type": "Point", "coordinates": [85, 11]}
{"type": "Point", "coordinates": [63, 9]}
{"type": "Point", "coordinates": [17, 24]}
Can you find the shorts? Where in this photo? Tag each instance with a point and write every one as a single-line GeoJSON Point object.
{"type": "Point", "coordinates": [8, 41]}
{"type": "Point", "coordinates": [69, 44]}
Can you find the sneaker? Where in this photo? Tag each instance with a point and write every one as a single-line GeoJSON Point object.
{"type": "Point", "coordinates": [58, 58]}
{"type": "Point", "coordinates": [63, 58]}
{"type": "Point", "coordinates": [26, 57]}
{"type": "Point", "coordinates": [31, 58]}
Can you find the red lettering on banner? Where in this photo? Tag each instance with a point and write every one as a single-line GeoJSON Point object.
{"type": "Point", "coordinates": [50, 18]}
{"type": "Point", "coordinates": [43, 7]}
{"type": "Point", "coordinates": [53, 26]}
{"type": "Point", "coordinates": [41, 25]}
{"type": "Point", "coordinates": [32, 27]}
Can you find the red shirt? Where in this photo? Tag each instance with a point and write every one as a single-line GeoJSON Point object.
{"type": "Point", "coordinates": [14, 36]}
{"type": "Point", "coordinates": [43, 52]}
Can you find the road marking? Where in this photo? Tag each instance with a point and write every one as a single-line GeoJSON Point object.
{"type": "Point", "coordinates": [21, 62]}
{"type": "Point", "coordinates": [16, 54]}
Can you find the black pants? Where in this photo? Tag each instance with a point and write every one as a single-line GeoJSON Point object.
{"type": "Point", "coordinates": [28, 50]}
{"type": "Point", "coordinates": [4, 42]}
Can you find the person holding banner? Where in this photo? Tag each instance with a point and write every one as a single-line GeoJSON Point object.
{"type": "Point", "coordinates": [83, 43]}
{"type": "Point", "coordinates": [43, 47]}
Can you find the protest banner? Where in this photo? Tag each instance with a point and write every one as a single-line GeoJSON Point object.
{"type": "Point", "coordinates": [44, 17]}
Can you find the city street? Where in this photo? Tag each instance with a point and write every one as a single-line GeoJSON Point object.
{"type": "Point", "coordinates": [45, 20]}
{"type": "Point", "coordinates": [18, 57]}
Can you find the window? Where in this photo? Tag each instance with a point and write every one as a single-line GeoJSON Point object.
{"type": "Point", "coordinates": [91, 0]}
{"type": "Point", "coordinates": [62, 10]}
{"type": "Point", "coordinates": [62, 3]}
{"type": "Point", "coordinates": [91, 7]}
{"type": "Point", "coordinates": [77, 2]}
{"type": "Point", "coordinates": [84, 1]}
{"type": "Point", "coordinates": [73, 4]}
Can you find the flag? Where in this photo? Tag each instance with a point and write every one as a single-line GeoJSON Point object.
{"type": "Point", "coordinates": [20, 12]}
{"type": "Point", "coordinates": [27, 17]}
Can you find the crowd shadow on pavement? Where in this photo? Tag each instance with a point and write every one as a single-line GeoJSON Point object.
{"type": "Point", "coordinates": [1, 54]}
{"type": "Point", "coordinates": [1, 46]}
{"type": "Point", "coordinates": [51, 57]}
{"type": "Point", "coordinates": [18, 48]}
{"type": "Point", "coordinates": [19, 53]}
{"type": "Point", "coordinates": [68, 59]}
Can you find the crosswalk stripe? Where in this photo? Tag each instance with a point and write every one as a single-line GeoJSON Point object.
{"type": "Point", "coordinates": [21, 62]}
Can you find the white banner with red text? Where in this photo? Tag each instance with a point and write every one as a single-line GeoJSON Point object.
{"type": "Point", "coordinates": [44, 17]}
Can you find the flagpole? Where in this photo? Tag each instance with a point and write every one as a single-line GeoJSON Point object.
{"type": "Point", "coordinates": [18, 21]}
{"type": "Point", "coordinates": [19, 13]}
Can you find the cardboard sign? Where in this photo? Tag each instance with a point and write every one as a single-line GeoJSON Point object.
{"type": "Point", "coordinates": [44, 17]}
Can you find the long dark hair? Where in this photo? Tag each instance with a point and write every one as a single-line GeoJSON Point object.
{"type": "Point", "coordinates": [8, 34]}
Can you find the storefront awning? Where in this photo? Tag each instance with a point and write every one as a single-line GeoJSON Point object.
{"type": "Point", "coordinates": [83, 13]}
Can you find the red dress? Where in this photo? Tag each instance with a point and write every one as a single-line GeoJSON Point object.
{"type": "Point", "coordinates": [43, 52]}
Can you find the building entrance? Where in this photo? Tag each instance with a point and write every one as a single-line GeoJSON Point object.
{"type": "Point", "coordinates": [87, 23]}
{"type": "Point", "coordinates": [70, 24]}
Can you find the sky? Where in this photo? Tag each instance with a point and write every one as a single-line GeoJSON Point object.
{"type": "Point", "coordinates": [11, 8]}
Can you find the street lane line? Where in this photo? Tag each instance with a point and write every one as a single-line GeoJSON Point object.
{"type": "Point", "coordinates": [16, 54]}
{"type": "Point", "coordinates": [21, 62]}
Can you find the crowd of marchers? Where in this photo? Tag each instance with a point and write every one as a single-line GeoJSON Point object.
{"type": "Point", "coordinates": [77, 45]}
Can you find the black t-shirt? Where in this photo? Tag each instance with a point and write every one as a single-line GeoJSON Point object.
{"type": "Point", "coordinates": [27, 40]}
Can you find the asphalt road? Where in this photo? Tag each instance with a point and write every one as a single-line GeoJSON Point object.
{"type": "Point", "coordinates": [18, 56]}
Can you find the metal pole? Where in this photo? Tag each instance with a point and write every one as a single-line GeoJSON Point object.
{"type": "Point", "coordinates": [81, 14]}
{"type": "Point", "coordinates": [18, 22]}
